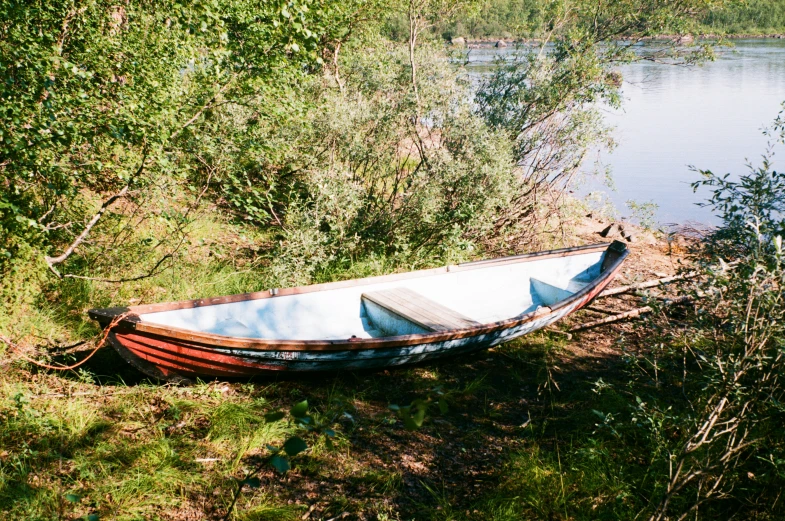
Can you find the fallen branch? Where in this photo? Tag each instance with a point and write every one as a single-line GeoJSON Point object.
{"type": "Point", "coordinates": [599, 309]}
{"type": "Point", "coordinates": [647, 284]}
{"type": "Point", "coordinates": [630, 314]}
{"type": "Point", "coordinates": [52, 261]}
{"type": "Point", "coordinates": [559, 332]}
{"type": "Point", "coordinates": [614, 318]}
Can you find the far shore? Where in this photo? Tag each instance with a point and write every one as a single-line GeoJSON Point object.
{"type": "Point", "coordinates": [491, 41]}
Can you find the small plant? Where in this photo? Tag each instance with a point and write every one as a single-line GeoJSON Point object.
{"type": "Point", "coordinates": [644, 213]}
{"type": "Point", "coordinates": [280, 457]}
{"type": "Point", "coordinates": [414, 414]}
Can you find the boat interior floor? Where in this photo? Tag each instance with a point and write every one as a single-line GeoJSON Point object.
{"type": "Point", "coordinates": [416, 305]}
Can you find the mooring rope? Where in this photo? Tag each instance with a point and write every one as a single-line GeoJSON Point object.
{"type": "Point", "coordinates": [18, 350]}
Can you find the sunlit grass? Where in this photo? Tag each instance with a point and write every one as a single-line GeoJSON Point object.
{"type": "Point", "coordinates": [127, 453]}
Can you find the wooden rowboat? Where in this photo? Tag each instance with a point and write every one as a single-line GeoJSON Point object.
{"type": "Point", "coordinates": [365, 323]}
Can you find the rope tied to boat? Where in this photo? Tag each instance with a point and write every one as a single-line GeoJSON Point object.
{"type": "Point", "coordinates": [104, 334]}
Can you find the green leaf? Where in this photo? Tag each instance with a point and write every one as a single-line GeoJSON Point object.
{"type": "Point", "coordinates": [418, 417]}
{"type": "Point", "coordinates": [73, 498]}
{"type": "Point", "coordinates": [93, 517]}
{"type": "Point", "coordinates": [294, 446]}
{"type": "Point", "coordinates": [305, 420]}
{"type": "Point", "coordinates": [280, 463]}
{"type": "Point", "coordinates": [411, 421]}
{"type": "Point", "coordinates": [274, 416]}
{"type": "Point", "coordinates": [300, 410]}
{"type": "Point", "coordinates": [443, 406]}
{"type": "Point", "coordinates": [252, 482]}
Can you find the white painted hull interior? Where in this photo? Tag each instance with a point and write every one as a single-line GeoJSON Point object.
{"type": "Point", "coordinates": [481, 296]}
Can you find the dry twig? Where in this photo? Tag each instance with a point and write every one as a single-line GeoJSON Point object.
{"type": "Point", "coordinates": [630, 314]}
{"type": "Point", "coordinates": [647, 284]}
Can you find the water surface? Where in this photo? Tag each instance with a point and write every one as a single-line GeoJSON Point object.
{"type": "Point", "coordinates": [708, 116]}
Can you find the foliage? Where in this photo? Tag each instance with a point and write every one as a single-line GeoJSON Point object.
{"type": "Point", "coordinates": [500, 19]}
{"type": "Point", "coordinates": [751, 208]}
{"type": "Point", "coordinates": [528, 18]}
{"type": "Point", "coordinates": [419, 193]}
{"type": "Point", "coordinates": [710, 424]}
{"type": "Point", "coordinates": [548, 113]}
{"type": "Point", "coordinates": [746, 17]}
{"type": "Point", "coordinates": [100, 98]}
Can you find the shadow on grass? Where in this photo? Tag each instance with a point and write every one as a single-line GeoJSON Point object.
{"type": "Point", "coordinates": [519, 440]}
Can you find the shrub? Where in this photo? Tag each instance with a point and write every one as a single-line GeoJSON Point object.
{"type": "Point", "coordinates": [712, 425]}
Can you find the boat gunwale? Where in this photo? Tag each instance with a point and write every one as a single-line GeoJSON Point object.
{"type": "Point", "coordinates": [133, 321]}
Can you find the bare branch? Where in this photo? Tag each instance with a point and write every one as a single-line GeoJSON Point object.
{"type": "Point", "coordinates": [52, 261]}
{"type": "Point", "coordinates": [151, 273]}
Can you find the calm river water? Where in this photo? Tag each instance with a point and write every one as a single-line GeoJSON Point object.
{"type": "Point", "coordinates": [709, 116]}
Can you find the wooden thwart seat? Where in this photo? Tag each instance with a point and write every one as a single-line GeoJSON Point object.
{"type": "Point", "coordinates": [418, 309]}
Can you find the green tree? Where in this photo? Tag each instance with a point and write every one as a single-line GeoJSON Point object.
{"type": "Point", "coordinates": [545, 100]}
{"type": "Point", "coordinates": [102, 102]}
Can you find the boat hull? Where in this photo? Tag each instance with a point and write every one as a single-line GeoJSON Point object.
{"type": "Point", "coordinates": [170, 358]}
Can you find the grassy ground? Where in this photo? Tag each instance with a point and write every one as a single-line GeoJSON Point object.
{"type": "Point", "coordinates": [525, 435]}
{"type": "Point", "coordinates": [516, 441]}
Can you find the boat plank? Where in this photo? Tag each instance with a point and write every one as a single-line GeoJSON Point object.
{"type": "Point", "coordinates": [419, 309]}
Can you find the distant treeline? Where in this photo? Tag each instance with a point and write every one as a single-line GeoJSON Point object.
{"type": "Point", "coordinates": [752, 17]}
{"type": "Point", "coordinates": [532, 18]}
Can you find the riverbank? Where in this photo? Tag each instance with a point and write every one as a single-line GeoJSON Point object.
{"type": "Point", "coordinates": [108, 442]}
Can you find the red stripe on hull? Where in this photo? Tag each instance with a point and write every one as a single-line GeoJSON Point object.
{"type": "Point", "coordinates": [188, 359]}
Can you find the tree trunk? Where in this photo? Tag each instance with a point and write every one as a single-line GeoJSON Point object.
{"type": "Point", "coordinates": [412, 43]}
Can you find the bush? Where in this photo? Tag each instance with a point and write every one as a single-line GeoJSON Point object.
{"type": "Point", "coordinates": [711, 422]}
{"type": "Point", "coordinates": [387, 184]}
